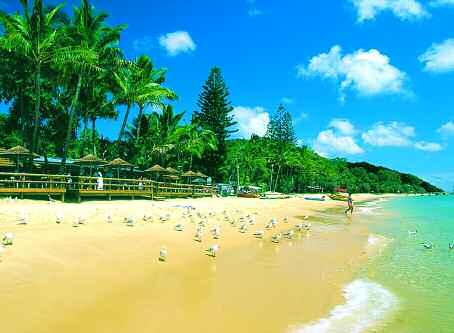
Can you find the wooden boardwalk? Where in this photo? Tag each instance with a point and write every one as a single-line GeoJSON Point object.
{"type": "Point", "coordinates": [23, 184]}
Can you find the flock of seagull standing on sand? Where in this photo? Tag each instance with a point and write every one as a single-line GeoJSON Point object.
{"type": "Point", "coordinates": [191, 215]}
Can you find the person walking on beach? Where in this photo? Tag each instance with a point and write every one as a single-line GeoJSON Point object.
{"type": "Point", "coordinates": [350, 204]}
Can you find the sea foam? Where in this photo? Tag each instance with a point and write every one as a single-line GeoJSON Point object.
{"type": "Point", "coordinates": [367, 305]}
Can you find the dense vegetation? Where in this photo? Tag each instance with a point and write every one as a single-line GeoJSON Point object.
{"type": "Point", "coordinates": [60, 73]}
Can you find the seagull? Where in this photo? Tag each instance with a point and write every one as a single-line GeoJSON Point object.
{"type": "Point", "coordinates": [451, 246]}
{"type": "Point", "coordinates": [276, 238]}
{"type": "Point", "coordinates": [243, 228]}
{"type": "Point", "coordinates": [412, 232]}
{"type": "Point", "coordinates": [299, 227]}
{"type": "Point", "coordinates": [273, 222]}
{"type": "Point", "coordinates": [59, 217]}
{"type": "Point", "coordinates": [216, 231]}
{"type": "Point", "coordinates": [23, 218]}
{"type": "Point", "coordinates": [163, 254]}
{"type": "Point", "coordinates": [109, 218]}
{"type": "Point", "coordinates": [268, 226]}
{"type": "Point", "coordinates": [129, 221]}
{"type": "Point", "coordinates": [259, 234]}
{"type": "Point", "coordinates": [179, 227]}
{"type": "Point", "coordinates": [286, 219]}
{"type": "Point", "coordinates": [8, 239]}
{"type": "Point", "coordinates": [50, 199]}
{"type": "Point", "coordinates": [306, 217]}
{"type": "Point", "coordinates": [213, 250]}
{"type": "Point", "coordinates": [81, 220]}
{"type": "Point", "coordinates": [289, 234]}
{"type": "Point", "coordinates": [147, 218]}
{"type": "Point", "coordinates": [428, 245]}
{"type": "Point", "coordinates": [198, 236]}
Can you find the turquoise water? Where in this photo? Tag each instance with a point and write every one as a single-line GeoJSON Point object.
{"type": "Point", "coordinates": [421, 280]}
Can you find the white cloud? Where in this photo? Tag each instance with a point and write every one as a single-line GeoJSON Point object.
{"type": "Point", "coordinates": [177, 42]}
{"type": "Point", "coordinates": [403, 9]}
{"type": "Point", "coordinates": [287, 100]}
{"type": "Point", "coordinates": [251, 120]}
{"type": "Point", "coordinates": [439, 57]}
{"type": "Point", "coordinates": [338, 139]}
{"type": "Point", "coordinates": [299, 118]}
{"type": "Point", "coordinates": [439, 3]}
{"type": "Point", "coordinates": [344, 126]}
{"type": "Point", "coordinates": [393, 134]}
{"type": "Point", "coordinates": [368, 73]}
{"type": "Point", "coordinates": [447, 129]}
{"type": "Point", "coordinates": [428, 146]}
{"type": "Point", "coordinates": [143, 44]}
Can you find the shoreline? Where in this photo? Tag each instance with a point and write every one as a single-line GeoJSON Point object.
{"type": "Point", "coordinates": [106, 277]}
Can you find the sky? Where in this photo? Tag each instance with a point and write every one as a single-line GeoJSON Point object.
{"type": "Point", "coordinates": [367, 80]}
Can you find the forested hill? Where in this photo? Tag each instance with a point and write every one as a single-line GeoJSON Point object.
{"type": "Point", "coordinates": [405, 178]}
{"type": "Point", "coordinates": [290, 168]}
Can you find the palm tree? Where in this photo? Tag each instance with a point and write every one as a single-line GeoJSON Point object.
{"type": "Point", "coordinates": [194, 141]}
{"type": "Point", "coordinates": [140, 84]}
{"type": "Point", "coordinates": [33, 37]}
{"type": "Point", "coordinates": [152, 93]}
{"type": "Point", "coordinates": [96, 43]}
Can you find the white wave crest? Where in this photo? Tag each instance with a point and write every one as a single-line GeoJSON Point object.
{"type": "Point", "coordinates": [367, 304]}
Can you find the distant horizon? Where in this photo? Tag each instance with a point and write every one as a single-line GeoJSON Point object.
{"type": "Point", "coordinates": [357, 83]}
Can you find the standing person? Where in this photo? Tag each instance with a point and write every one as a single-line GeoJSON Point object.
{"type": "Point", "coordinates": [100, 182]}
{"type": "Point", "coordinates": [350, 204]}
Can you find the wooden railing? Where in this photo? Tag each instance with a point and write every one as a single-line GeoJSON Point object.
{"type": "Point", "coordinates": [81, 186]}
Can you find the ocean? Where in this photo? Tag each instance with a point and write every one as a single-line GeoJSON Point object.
{"type": "Point", "coordinates": [406, 288]}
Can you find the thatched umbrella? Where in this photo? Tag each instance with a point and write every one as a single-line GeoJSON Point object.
{"type": "Point", "coordinates": [91, 161]}
{"type": "Point", "coordinates": [172, 170]}
{"type": "Point", "coordinates": [18, 152]}
{"type": "Point", "coordinates": [119, 164]}
{"type": "Point", "coordinates": [189, 174]}
{"type": "Point", "coordinates": [156, 169]}
{"type": "Point", "coordinates": [201, 175]}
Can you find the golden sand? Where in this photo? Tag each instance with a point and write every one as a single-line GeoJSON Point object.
{"type": "Point", "coordinates": [102, 277]}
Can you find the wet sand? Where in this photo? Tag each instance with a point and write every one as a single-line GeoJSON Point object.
{"type": "Point", "coordinates": [102, 277]}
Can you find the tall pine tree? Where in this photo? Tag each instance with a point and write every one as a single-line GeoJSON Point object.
{"type": "Point", "coordinates": [282, 135]}
{"type": "Point", "coordinates": [280, 128]}
{"type": "Point", "coordinates": [215, 114]}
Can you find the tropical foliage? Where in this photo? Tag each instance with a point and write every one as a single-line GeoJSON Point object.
{"type": "Point", "coordinates": [61, 73]}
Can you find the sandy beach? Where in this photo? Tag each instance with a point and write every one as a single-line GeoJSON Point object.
{"type": "Point", "coordinates": [106, 277]}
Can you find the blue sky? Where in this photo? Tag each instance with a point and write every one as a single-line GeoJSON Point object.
{"type": "Point", "coordinates": [364, 79]}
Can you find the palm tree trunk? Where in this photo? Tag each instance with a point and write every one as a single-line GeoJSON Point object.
{"type": "Point", "coordinates": [139, 123]}
{"type": "Point", "coordinates": [72, 115]}
{"type": "Point", "coordinates": [93, 137]}
{"type": "Point", "coordinates": [125, 121]}
{"type": "Point", "coordinates": [37, 108]}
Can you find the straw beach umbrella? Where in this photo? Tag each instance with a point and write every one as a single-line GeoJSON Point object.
{"type": "Point", "coordinates": [91, 161]}
{"type": "Point", "coordinates": [18, 152]}
{"type": "Point", "coordinates": [189, 174]}
{"type": "Point", "coordinates": [172, 170]}
{"type": "Point", "coordinates": [201, 175]}
{"type": "Point", "coordinates": [156, 169]}
{"type": "Point", "coordinates": [119, 164]}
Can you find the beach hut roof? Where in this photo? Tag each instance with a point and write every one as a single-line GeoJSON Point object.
{"type": "Point", "coordinates": [118, 162]}
{"type": "Point", "coordinates": [18, 151]}
{"type": "Point", "coordinates": [90, 159]}
{"type": "Point", "coordinates": [189, 174]}
{"type": "Point", "coordinates": [171, 170]}
{"type": "Point", "coordinates": [156, 168]}
{"type": "Point", "coordinates": [201, 175]}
